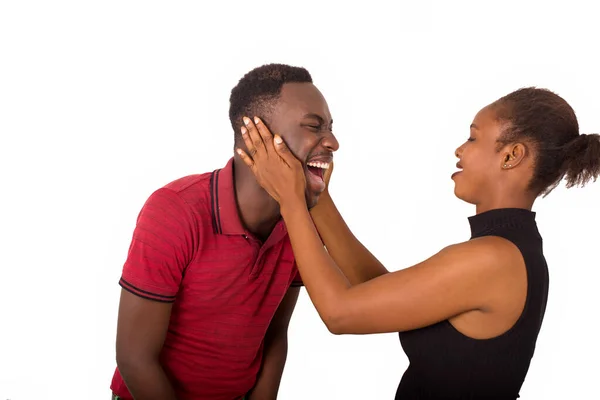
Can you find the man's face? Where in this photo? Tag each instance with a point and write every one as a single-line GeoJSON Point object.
{"type": "Point", "coordinates": [302, 118]}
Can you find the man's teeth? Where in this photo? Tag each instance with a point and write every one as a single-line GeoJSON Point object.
{"type": "Point", "coordinates": [321, 165]}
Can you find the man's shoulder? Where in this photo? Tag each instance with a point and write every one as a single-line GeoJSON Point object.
{"type": "Point", "coordinates": [190, 183]}
{"type": "Point", "coordinates": [194, 190]}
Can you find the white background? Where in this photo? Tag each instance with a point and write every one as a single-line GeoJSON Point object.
{"type": "Point", "coordinates": [101, 103]}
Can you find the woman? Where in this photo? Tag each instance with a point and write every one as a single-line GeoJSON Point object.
{"type": "Point", "coordinates": [469, 316]}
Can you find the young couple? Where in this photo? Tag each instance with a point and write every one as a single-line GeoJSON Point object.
{"type": "Point", "coordinates": [217, 259]}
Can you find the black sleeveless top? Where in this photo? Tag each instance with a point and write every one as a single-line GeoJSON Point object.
{"type": "Point", "coordinates": [445, 364]}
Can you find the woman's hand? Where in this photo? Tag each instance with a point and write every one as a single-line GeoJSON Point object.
{"type": "Point", "coordinates": [276, 169]}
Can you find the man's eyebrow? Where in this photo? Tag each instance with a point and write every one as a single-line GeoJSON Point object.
{"type": "Point", "coordinates": [473, 126]}
{"type": "Point", "coordinates": [318, 118]}
{"type": "Point", "coordinates": [315, 116]}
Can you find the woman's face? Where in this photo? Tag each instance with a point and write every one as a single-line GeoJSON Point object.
{"type": "Point", "coordinates": [480, 164]}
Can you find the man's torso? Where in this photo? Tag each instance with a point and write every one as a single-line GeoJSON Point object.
{"type": "Point", "coordinates": [225, 294]}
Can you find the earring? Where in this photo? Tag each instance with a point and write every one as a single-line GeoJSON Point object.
{"type": "Point", "coordinates": [505, 166]}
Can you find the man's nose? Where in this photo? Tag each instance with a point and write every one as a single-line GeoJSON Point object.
{"type": "Point", "coordinates": [330, 142]}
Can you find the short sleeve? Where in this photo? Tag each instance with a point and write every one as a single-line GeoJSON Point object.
{"type": "Point", "coordinates": [161, 247]}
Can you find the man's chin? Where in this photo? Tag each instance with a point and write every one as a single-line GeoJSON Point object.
{"type": "Point", "coordinates": [312, 199]}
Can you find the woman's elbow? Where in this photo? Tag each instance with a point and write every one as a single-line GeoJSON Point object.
{"type": "Point", "coordinates": [336, 322]}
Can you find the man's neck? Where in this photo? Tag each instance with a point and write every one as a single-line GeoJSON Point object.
{"type": "Point", "coordinates": [258, 211]}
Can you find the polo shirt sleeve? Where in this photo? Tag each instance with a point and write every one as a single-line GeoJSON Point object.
{"type": "Point", "coordinates": [161, 247]}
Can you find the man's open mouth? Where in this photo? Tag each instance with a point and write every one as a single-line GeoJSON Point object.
{"type": "Point", "coordinates": [317, 168]}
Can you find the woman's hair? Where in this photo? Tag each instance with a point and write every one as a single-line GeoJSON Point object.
{"type": "Point", "coordinates": [547, 122]}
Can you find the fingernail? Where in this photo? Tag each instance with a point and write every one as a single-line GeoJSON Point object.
{"type": "Point", "coordinates": [239, 151]}
{"type": "Point", "coordinates": [278, 139]}
{"type": "Point", "coordinates": [244, 130]}
{"type": "Point", "coordinates": [246, 120]}
{"type": "Point", "coordinates": [256, 120]}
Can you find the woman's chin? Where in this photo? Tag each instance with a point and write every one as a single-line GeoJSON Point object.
{"type": "Point", "coordinates": [462, 195]}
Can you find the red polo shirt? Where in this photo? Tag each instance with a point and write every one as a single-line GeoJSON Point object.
{"type": "Point", "coordinates": [189, 248]}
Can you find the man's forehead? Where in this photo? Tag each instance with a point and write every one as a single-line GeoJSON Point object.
{"type": "Point", "coordinates": [305, 97]}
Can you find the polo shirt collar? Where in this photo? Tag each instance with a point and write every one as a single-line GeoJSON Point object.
{"type": "Point", "coordinates": [225, 216]}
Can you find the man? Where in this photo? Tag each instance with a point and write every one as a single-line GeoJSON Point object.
{"type": "Point", "coordinates": [210, 281]}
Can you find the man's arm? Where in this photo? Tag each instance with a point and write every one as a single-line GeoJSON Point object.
{"type": "Point", "coordinates": [275, 350]}
{"type": "Point", "coordinates": [354, 260]}
{"type": "Point", "coordinates": [161, 248]}
{"type": "Point", "coordinates": [141, 331]}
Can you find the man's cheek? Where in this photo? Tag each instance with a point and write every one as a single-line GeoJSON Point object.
{"type": "Point", "coordinates": [296, 150]}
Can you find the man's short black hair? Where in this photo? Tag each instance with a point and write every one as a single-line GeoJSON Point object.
{"type": "Point", "coordinates": [256, 93]}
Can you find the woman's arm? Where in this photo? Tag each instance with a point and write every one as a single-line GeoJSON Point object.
{"type": "Point", "coordinates": [460, 278]}
{"type": "Point", "coordinates": [351, 256]}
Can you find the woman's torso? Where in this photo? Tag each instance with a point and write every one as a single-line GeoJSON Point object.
{"type": "Point", "coordinates": [445, 363]}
